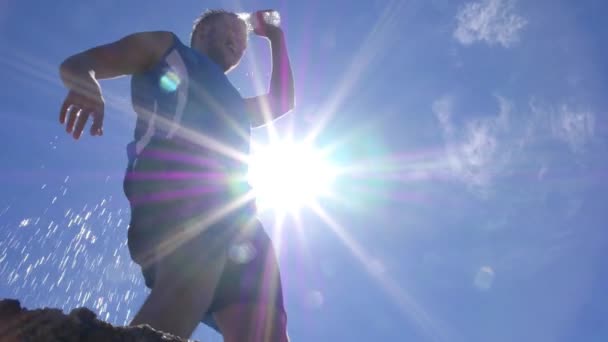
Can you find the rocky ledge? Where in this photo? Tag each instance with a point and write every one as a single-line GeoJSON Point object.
{"type": "Point", "coordinates": [19, 324]}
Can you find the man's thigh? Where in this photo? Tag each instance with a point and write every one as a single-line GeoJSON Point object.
{"type": "Point", "coordinates": [190, 255]}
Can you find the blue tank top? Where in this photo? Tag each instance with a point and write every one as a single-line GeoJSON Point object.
{"type": "Point", "coordinates": [187, 104]}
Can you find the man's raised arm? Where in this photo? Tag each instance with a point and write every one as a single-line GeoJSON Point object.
{"type": "Point", "coordinates": [280, 98]}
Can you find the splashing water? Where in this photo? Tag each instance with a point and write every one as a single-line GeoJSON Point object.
{"type": "Point", "coordinates": [68, 257]}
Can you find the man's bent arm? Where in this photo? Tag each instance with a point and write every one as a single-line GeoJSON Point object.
{"type": "Point", "coordinates": [280, 98]}
{"type": "Point", "coordinates": [131, 54]}
{"type": "Point", "coordinates": [80, 72]}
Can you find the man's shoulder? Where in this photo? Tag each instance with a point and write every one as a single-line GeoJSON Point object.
{"type": "Point", "coordinates": [162, 40]}
{"type": "Point", "coordinates": [153, 44]}
{"type": "Point", "coordinates": [165, 43]}
{"type": "Point", "coordinates": [169, 41]}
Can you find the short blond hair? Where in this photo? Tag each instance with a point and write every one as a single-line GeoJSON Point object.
{"type": "Point", "coordinates": [208, 16]}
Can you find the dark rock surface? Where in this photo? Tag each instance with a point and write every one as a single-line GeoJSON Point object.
{"type": "Point", "coordinates": [19, 324]}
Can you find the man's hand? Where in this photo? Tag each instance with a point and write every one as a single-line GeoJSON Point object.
{"type": "Point", "coordinates": [79, 105]}
{"type": "Point", "coordinates": [262, 28]}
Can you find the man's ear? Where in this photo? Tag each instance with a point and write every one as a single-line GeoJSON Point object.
{"type": "Point", "coordinates": [203, 31]}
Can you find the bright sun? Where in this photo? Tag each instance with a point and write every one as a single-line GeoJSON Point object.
{"type": "Point", "coordinates": [286, 176]}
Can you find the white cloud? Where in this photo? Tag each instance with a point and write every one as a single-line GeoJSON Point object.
{"type": "Point", "coordinates": [443, 110]}
{"type": "Point", "coordinates": [572, 125]}
{"type": "Point", "coordinates": [491, 21]}
{"type": "Point", "coordinates": [480, 150]}
{"type": "Point", "coordinates": [475, 153]}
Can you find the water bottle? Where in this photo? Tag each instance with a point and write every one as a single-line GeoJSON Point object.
{"type": "Point", "coordinates": [270, 17]}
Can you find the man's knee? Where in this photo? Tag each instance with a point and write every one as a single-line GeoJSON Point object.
{"type": "Point", "coordinates": [252, 323]}
{"type": "Point", "coordinates": [278, 330]}
{"type": "Point", "coordinates": [272, 327]}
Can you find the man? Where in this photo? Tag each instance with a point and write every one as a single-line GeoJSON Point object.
{"type": "Point", "coordinates": [193, 228]}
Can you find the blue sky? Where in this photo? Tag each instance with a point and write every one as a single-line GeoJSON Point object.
{"type": "Point", "coordinates": [473, 132]}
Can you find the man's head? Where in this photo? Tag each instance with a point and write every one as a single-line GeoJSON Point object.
{"type": "Point", "coordinates": [222, 36]}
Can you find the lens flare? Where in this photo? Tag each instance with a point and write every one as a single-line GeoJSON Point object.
{"type": "Point", "coordinates": [169, 81]}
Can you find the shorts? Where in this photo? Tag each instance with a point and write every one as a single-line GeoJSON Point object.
{"type": "Point", "coordinates": [161, 204]}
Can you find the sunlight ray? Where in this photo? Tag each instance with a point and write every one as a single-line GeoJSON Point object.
{"type": "Point", "coordinates": [395, 166]}
{"type": "Point", "coordinates": [193, 227]}
{"type": "Point", "coordinates": [259, 90]}
{"type": "Point", "coordinates": [277, 236]}
{"type": "Point", "coordinates": [371, 47]}
{"type": "Point", "coordinates": [25, 64]}
{"type": "Point", "coordinates": [218, 109]}
{"type": "Point", "coordinates": [200, 139]}
{"type": "Point", "coordinates": [37, 69]}
{"type": "Point", "coordinates": [405, 302]}
{"type": "Point", "coordinates": [301, 236]}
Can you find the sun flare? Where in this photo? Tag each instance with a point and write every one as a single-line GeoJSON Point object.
{"type": "Point", "coordinates": [287, 176]}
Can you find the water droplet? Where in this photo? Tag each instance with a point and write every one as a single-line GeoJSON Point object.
{"type": "Point", "coordinates": [24, 223]}
{"type": "Point", "coordinates": [314, 299]}
{"type": "Point", "coordinates": [484, 278]}
{"type": "Point", "coordinates": [242, 252]}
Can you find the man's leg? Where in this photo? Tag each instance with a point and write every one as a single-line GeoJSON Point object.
{"type": "Point", "coordinates": [257, 316]}
{"type": "Point", "coordinates": [182, 264]}
{"type": "Point", "coordinates": [183, 289]}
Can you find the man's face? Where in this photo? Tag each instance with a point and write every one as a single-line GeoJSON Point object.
{"type": "Point", "coordinates": [224, 40]}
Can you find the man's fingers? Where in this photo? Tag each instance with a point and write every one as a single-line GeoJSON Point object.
{"type": "Point", "coordinates": [81, 122]}
{"type": "Point", "coordinates": [96, 131]}
{"type": "Point", "coordinates": [64, 110]}
{"type": "Point", "coordinates": [96, 127]}
{"type": "Point", "coordinates": [73, 113]}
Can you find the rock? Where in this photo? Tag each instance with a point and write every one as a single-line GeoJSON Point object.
{"type": "Point", "coordinates": [19, 324]}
